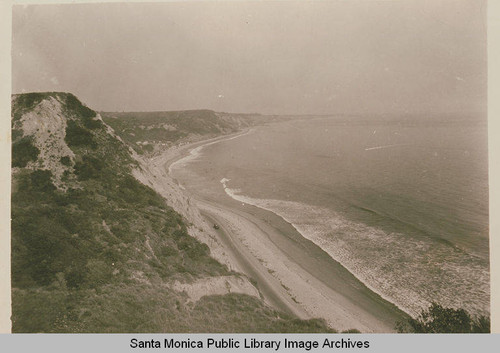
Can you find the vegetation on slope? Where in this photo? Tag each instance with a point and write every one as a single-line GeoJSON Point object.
{"type": "Point", "coordinates": [146, 132]}
{"type": "Point", "coordinates": [96, 253]}
{"type": "Point", "coordinates": [127, 308]}
{"type": "Point", "coordinates": [23, 151]}
{"type": "Point", "coordinates": [438, 319]}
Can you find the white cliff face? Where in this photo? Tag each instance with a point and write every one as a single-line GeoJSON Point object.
{"type": "Point", "coordinates": [46, 124]}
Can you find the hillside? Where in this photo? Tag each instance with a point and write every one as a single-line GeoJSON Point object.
{"type": "Point", "coordinates": [149, 132]}
{"type": "Point", "coordinates": [95, 250]}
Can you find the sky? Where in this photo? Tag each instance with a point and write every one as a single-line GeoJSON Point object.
{"type": "Point", "coordinates": [279, 57]}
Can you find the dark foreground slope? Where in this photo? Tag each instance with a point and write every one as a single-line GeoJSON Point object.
{"type": "Point", "coordinates": [93, 249]}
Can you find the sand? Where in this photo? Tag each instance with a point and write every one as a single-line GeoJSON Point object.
{"type": "Point", "coordinates": [291, 273]}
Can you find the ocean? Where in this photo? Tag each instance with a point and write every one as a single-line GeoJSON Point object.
{"type": "Point", "coordinates": [402, 204]}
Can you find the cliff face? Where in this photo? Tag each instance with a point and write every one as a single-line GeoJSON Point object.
{"type": "Point", "coordinates": [95, 250]}
{"type": "Point", "coordinates": [45, 127]}
{"type": "Point", "coordinates": [54, 132]}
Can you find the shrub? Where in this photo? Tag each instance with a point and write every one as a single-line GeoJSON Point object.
{"type": "Point", "coordinates": [78, 136]}
{"type": "Point", "coordinates": [41, 180]}
{"type": "Point", "coordinates": [74, 105]}
{"type": "Point", "coordinates": [437, 319]}
{"type": "Point", "coordinates": [16, 134]}
{"type": "Point", "coordinates": [90, 123]}
{"type": "Point", "coordinates": [65, 160]}
{"type": "Point", "coordinates": [27, 101]}
{"type": "Point", "coordinates": [23, 151]}
{"type": "Point", "coordinates": [75, 276]}
{"type": "Point", "coordinates": [198, 250]}
{"type": "Point", "coordinates": [88, 168]}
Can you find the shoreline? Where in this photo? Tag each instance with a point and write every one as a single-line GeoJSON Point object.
{"type": "Point", "coordinates": [304, 235]}
{"type": "Point", "coordinates": [311, 279]}
{"type": "Point", "coordinates": [191, 150]}
{"type": "Point", "coordinates": [291, 272]}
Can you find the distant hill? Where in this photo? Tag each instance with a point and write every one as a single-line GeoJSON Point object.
{"type": "Point", "coordinates": [148, 132]}
{"type": "Point", "coordinates": [95, 250]}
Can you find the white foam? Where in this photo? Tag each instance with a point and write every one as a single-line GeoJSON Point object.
{"type": "Point", "coordinates": [406, 271]}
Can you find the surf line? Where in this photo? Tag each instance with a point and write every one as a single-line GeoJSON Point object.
{"type": "Point", "coordinates": [195, 152]}
{"type": "Point", "coordinates": [236, 195]}
{"type": "Point", "coordinates": [387, 146]}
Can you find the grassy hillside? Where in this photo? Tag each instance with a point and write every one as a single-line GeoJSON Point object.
{"type": "Point", "coordinates": [93, 249]}
{"type": "Point", "coordinates": [147, 132]}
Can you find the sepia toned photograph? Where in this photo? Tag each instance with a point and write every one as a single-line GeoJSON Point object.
{"type": "Point", "coordinates": [250, 167]}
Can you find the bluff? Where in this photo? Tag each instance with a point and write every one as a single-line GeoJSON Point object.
{"type": "Point", "coordinates": [151, 132]}
{"type": "Point", "coordinates": [95, 250]}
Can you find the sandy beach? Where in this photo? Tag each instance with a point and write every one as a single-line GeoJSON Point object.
{"type": "Point", "coordinates": [290, 272]}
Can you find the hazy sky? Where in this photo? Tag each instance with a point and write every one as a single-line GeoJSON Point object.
{"type": "Point", "coordinates": [268, 57]}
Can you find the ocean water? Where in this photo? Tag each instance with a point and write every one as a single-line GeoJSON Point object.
{"type": "Point", "coordinates": [403, 206]}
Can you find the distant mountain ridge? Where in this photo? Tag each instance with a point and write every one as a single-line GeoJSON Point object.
{"type": "Point", "coordinates": [95, 250]}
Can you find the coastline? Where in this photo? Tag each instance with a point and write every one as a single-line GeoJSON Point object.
{"type": "Point", "coordinates": [191, 150]}
{"type": "Point", "coordinates": [291, 272]}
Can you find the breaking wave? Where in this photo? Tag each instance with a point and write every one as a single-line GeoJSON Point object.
{"type": "Point", "coordinates": [409, 271]}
